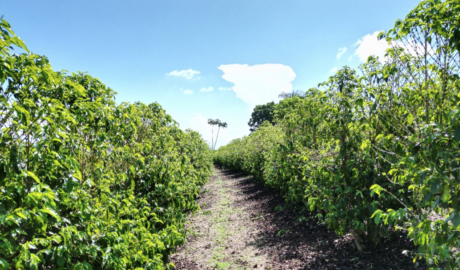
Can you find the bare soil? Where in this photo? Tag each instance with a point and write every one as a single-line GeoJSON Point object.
{"type": "Point", "coordinates": [245, 225]}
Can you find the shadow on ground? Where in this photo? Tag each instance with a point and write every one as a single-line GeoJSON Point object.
{"type": "Point", "coordinates": [293, 239]}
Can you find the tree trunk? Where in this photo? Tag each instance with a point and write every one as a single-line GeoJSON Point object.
{"type": "Point", "coordinates": [212, 137]}
{"type": "Point", "coordinates": [215, 143]}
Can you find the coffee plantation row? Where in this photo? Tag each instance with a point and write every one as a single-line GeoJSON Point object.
{"type": "Point", "coordinates": [375, 149]}
{"type": "Point", "coordinates": [86, 183]}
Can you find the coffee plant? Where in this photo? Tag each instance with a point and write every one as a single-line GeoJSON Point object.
{"type": "Point", "coordinates": [376, 149]}
{"type": "Point", "coordinates": [86, 183]}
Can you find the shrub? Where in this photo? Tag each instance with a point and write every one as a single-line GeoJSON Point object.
{"type": "Point", "coordinates": [86, 183]}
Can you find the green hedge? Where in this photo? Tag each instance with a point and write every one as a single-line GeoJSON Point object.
{"type": "Point", "coordinates": [86, 183]}
{"type": "Point", "coordinates": [376, 148]}
{"type": "Point", "coordinates": [248, 154]}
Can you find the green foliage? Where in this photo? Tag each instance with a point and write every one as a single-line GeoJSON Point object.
{"type": "Point", "coordinates": [86, 183]}
{"type": "Point", "coordinates": [295, 93]}
{"type": "Point", "coordinates": [377, 148]}
{"type": "Point", "coordinates": [249, 153]}
{"type": "Point", "coordinates": [261, 114]}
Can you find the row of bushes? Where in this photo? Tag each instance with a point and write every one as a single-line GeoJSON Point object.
{"type": "Point", "coordinates": [86, 183]}
{"type": "Point", "coordinates": [376, 148]}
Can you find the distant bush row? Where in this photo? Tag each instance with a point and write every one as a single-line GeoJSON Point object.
{"type": "Point", "coordinates": [86, 183]}
{"type": "Point", "coordinates": [379, 147]}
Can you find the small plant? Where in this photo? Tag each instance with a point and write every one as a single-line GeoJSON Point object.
{"type": "Point", "coordinates": [282, 232]}
{"type": "Point", "coordinates": [206, 213]}
{"type": "Point", "coordinates": [302, 219]}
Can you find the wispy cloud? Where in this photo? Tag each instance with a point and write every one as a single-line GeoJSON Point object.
{"type": "Point", "coordinates": [208, 89]}
{"type": "Point", "coordinates": [186, 91]}
{"type": "Point", "coordinates": [225, 88]}
{"type": "Point", "coordinates": [186, 73]}
{"type": "Point", "coordinates": [259, 84]}
{"type": "Point", "coordinates": [334, 70]}
{"type": "Point", "coordinates": [341, 52]}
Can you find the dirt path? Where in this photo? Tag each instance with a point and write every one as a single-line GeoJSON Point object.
{"type": "Point", "coordinates": [223, 229]}
{"type": "Point", "coordinates": [244, 225]}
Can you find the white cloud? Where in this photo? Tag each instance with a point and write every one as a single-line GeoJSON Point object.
{"type": "Point", "coordinates": [186, 91]}
{"type": "Point", "coordinates": [187, 74]}
{"type": "Point", "coordinates": [341, 52]}
{"type": "Point", "coordinates": [259, 84]}
{"type": "Point", "coordinates": [334, 70]}
{"type": "Point", "coordinates": [350, 58]}
{"type": "Point", "coordinates": [200, 124]}
{"type": "Point", "coordinates": [209, 89]}
{"type": "Point", "coordinates": [370, 45]}
{"type": "Point", "coordinates": [225, 88]}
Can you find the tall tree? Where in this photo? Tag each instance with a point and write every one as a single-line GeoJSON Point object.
{"type": "Point", "coordinates": [260, 114]}
{"type": "Point", "coordinates": [220, 125]}
{"type": "Point", "coordinates": [212, 122]}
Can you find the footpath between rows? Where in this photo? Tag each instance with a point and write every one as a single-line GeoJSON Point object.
{"type": "Point", "coordinates": [245, 225]}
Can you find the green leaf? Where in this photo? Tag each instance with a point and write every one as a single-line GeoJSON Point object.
{"type": "Point", "coordinates": [69, 185]}
{"type": "Point", "coordinates": [30, 245]}
{"type": "Point", "coordinates": [20, 43]}
{"type": "Point", "coordinates": [377, 218]}
{"type": "Point", "coordinates": [93, 252]}
{"type": "Point", "coordinates": [60, 261]}
{"type": "Point", "coordinates": [80, 90]}
{"type": "Point", "coordinates": [434, 153]}
{"type": "Point", "coordinates": [435, 186]}
{"type": "Point", "coordinates": [33, 176]}
{"type": "Point", "coordinates": [456, 220]}
{"type": "Point", "coordinates": [4, 264]}
{"type": "Point", "coordinates": [77, 175]}
{"type": "Point", "coordinates": [2, 172]}
{"type": "Point", "coordinates": [374, 107]}
{"type": "Point", "coordinates": [446, 194]}
{"type": "Point", "coordinates": [410, 118]}
{"type": "Point", "coordinates": [376, 188]}
{"type": "Point", "coordinates": [51, 212]}
{"type": "Point", "coordinates": [34, 259]}
{"type": "Point", "coordinates": [427, 227]}
{"type": "Point", "coordinates": [457, 134]}
{"type": "Point", "coordinates": [14, 158]}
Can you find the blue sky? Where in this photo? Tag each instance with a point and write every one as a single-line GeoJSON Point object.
{"type": "Point", "coordinates": [205, 59]}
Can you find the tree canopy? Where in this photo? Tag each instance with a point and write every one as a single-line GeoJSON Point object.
{"type": "Point", "coordinates": [260, 114]}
